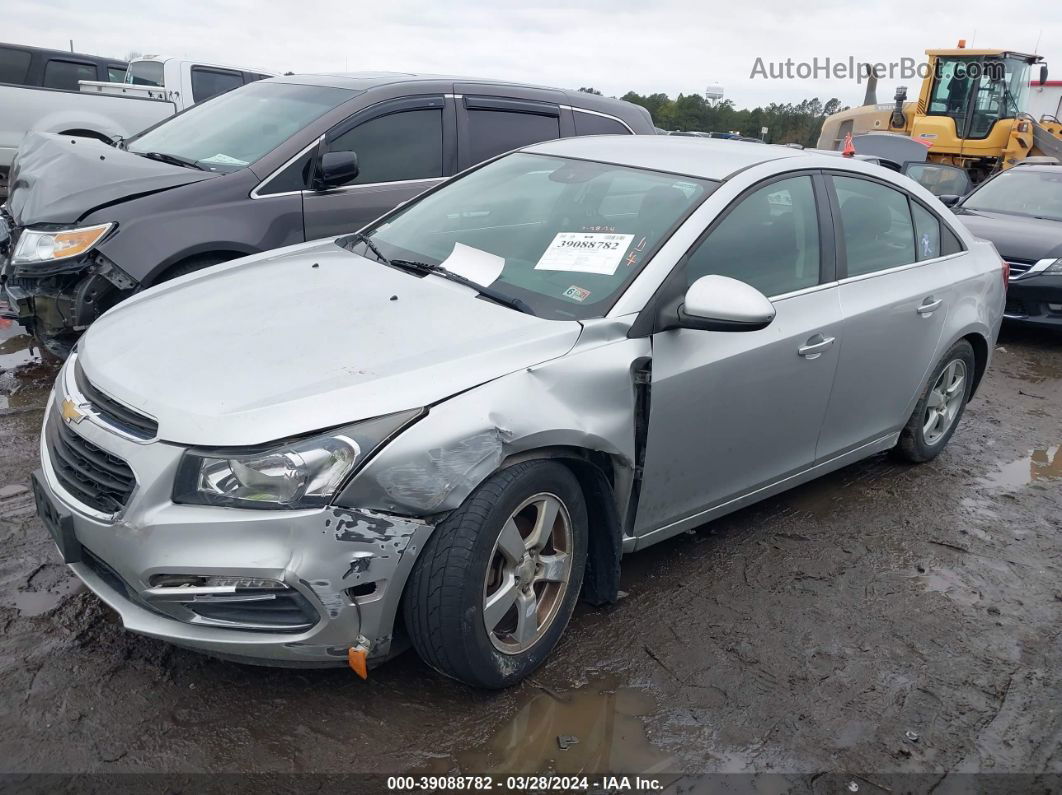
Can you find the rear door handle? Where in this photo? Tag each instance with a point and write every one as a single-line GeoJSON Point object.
{"type": "Point", "coordinates": [815, 346]}
{"type": "Point", "coordinates": [929, 306]}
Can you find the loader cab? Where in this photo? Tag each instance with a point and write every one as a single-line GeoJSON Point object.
{"type": "Point", "coordinates": [974, 90]}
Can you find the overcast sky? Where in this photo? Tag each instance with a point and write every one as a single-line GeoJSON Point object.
{"type": "Point", "coordinates": [648, 46]}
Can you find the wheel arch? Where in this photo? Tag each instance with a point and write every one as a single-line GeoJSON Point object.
{"type": "Point", "coordinates": [596, 472]}
{"type": "Point", "coordinates": [981, 355]}
{"type": "Point", "coordinates": [224, 250]}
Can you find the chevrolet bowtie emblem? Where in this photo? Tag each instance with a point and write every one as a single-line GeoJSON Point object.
{"type": "Point", "coordinates": [70, 412]}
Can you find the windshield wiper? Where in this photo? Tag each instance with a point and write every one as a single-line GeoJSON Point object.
{"type": "Point", "coordinates": [425, 268]}
{"type": "Point", "coordinates": [173, 160]}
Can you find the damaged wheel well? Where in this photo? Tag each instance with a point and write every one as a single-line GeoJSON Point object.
{"type": "Point", "coordinates": [596, 473]}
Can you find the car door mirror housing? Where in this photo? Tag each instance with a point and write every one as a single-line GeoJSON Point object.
{"type": "Point", "coordinates": [335, 169]}
{"type": "Point", "coordinates": [719, 303]}
{"type": "Point", "coordinates": [949, 199]}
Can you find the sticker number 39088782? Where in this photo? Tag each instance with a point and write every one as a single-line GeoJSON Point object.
{"type": "Point", "coordinates": [585, 252]}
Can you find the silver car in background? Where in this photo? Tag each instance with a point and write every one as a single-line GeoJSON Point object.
{"type": "Point", "coordinates": [444, 429]}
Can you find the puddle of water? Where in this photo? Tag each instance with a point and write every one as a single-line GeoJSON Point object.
{"type": "Point", "coordinates": [605, 718]}
{"type": "Point", "coordinates": [1040, 464]}
{"type": "Point", "coordinates": [950, 584]}
{"type": "Point", "coordinates": [36, 603]}
{"type": "Point", "coordinates": [17, 348]}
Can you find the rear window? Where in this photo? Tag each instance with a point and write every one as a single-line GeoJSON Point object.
{"type": "Point", "coordinates": [14, 65]}
{"type": "Point", "coordinates": [66, 74]}
{"type": "Point", "coordinates": [593, 124]}
{"type": "Point", "coordinates": [207, 83]}
{"type": "Point", "coordinates": [145, 73]}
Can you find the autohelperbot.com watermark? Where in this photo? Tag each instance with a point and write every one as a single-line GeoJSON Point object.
{"type": "Point", "coordinates": [849, 68]}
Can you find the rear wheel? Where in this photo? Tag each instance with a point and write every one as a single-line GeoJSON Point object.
{"type": "Point", "coordinates": [498, 580]}
{"type": "Point", "coordinates": [937, 413]}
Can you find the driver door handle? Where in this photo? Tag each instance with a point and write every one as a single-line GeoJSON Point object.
{"type": "Point", "coordinates": [815, 346]}
{"type": "Point", "coordinates": [929, 306]}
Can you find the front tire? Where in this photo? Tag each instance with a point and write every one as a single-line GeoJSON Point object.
{"type": "Point", "coordinates": [497, 582]}
{"type": "Point", "coordinates": [938, 411]}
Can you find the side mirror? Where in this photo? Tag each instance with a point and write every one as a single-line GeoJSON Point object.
{"type": "Point", "coordinates": [335, 169]}
{"type": "Point", "coordinates": [719, 303]}
{"type": "Point", "coordinates": [949, 199]}
{"type": "Point", "coordinates": [1043, 73]}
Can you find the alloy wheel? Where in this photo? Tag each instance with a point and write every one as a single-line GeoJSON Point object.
{"type": "Point", "coordinates": [945, 400]}
{"type": "Point", "coordinates": [528, 574]}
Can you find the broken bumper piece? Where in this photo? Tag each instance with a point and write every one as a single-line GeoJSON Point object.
{"type": "Point", "coordinates": [270, 587]}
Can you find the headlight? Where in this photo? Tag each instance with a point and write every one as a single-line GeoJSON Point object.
{"type": "Point", "coordinates": [36, 245]}
{"type": "Point", "coordinates": [1054, 267]}
{"type": "Point", "coordinates": [301, 474]}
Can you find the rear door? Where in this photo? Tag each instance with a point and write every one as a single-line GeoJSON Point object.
{"type": "Point", "coordinates": [404, 146]}
{"type": "Point", "coordinates": [492, 120]}
{"type": "Point", "coordinates": [896, 264]}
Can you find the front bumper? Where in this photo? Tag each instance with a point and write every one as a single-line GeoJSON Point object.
{"type": "Point", "coordinates": [57, 303]}
{"type": "Point", "coordinates": [349, 565]}
{"type": "Point", "coordinates": [1036, 300]}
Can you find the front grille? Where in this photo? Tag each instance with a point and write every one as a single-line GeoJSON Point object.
{"type": "Point", "coordinates": [111, 411]}
{"type": "Point", "coordinates": [1019, 267]}
{"type": "Point", "coordinates": [97, 478]}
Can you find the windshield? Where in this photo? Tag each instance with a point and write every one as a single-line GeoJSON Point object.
{"type": "Point", "coordinates": [235, 129]}
{"type": "Point", "coordinates": [564, 236]}
{"type": "Point", "coordinates": [1021, 192]}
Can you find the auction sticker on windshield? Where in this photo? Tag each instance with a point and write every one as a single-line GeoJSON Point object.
{"type": "Point", "coordinates": [585, 252]}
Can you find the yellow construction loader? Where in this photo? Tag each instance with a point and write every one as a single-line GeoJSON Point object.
{"type": "Point", "coordinates": [971, 112]}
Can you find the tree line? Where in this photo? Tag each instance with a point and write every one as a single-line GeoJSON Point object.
{"type": "Point", "coordinates": [788, 122]}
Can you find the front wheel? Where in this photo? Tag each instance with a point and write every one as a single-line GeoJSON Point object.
{"type": "Point", "coordinates": [497, 581]}
{"type": "Point", "coordinates": [938, 411]}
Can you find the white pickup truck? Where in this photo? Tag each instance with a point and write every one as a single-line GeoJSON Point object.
{"type": "Point", "coordinates": [155, 87]}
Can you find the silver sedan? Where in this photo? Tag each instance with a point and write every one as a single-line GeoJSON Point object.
{"type": "Point", "coordinates": [444, 429]}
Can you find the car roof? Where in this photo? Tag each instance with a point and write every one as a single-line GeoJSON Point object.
{"type": "Point", "coordinates": [707, 158]}
{"type": "Point", "coordinates": [360, 81]}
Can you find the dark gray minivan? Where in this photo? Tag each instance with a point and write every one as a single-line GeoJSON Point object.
{"type": "Point", "coordinates": [270, 164]}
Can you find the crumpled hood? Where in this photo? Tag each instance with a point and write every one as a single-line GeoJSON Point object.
{"type": "Point", "coordinates": [1015, 236]}
{"type": "Point", "coordinates": [310, 337]}
{"type": "Point", "coordinates": [57, 179]}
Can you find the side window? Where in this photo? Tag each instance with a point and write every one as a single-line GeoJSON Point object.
{"type": "Point", "coordinates": [207, 83]}
{"type": "Point", "coordinates": [769, 240]}
{"type": "Point", "coordinates": [876, 222]}
{"type": "Point", "coordinates": [116, 74]}
{"type": "Point", "coordinates": [950, 243]}
{"type": "Point", "coordinates": [403, 145]}
{"type": "Point", "coordinates": [592, 124]}
{"type": "Point", "coordinates": [66, 74]}
{"type": "Point", "coordinates": [927, 232]}
{"type": "Point", "coordinates": [14, 65]}
{"type": "Point", "coordinates": [251, 77]}
{"type": "Point", "coordinates": [492, 132]}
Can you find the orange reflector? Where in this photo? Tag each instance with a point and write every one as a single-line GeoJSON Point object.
{"type": "Point", "coordinates": [962, 44]}
{"type": "Point", "coordinates": [356, 660]}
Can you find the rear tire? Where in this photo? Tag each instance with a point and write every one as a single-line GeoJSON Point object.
{"type": "Point", "coordinates": [481, 567]}
{"type": "Point", "coordinates": [938, 411]}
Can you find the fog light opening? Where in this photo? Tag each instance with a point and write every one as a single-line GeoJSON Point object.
{"type": "Point", "coordinates": [362, 590]}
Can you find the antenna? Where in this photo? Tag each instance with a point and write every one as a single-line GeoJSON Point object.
{"type": "Point", "coordinates": [1040, 35]}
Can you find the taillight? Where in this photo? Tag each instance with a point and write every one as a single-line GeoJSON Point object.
{"type": "Point", "coordinates": [1006, 272]}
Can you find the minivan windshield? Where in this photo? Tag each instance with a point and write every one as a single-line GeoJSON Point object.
{"type": "Point", "coordinates": [1020, 191]}
{"type": "Point", "coordinates": [236, 128]}
{"type": "Point", "coordinates": [564, 236]}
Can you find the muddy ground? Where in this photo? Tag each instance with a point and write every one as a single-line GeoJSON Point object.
{"type": "Point", "coordinates": [886, 618]}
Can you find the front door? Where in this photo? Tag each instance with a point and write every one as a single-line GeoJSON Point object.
{"type": "Point", "coordinates": [733, 411]}
{"type": "Point", "coordinates": [404, 147]}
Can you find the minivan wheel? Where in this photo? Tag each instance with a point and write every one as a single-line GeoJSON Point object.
{"type": "Point", "coordinates": [498, 579]}
{"type": "Point", "coordinates": [937, 414]}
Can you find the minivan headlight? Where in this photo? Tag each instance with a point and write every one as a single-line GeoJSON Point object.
{"type": "Point", "coordinates": [39, 245]}
{"type": "Point", "coordinates": [304, 473]}
{"type": "Point", "coordinates": [1055, 267]}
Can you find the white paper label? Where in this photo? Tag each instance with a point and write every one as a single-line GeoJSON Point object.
{"type": "Point", "coordinates": [585, 252]}
{"type": "Point", "coordinates": [224, 160]}
{"type": "Point", "coordinates": [482, 267]}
